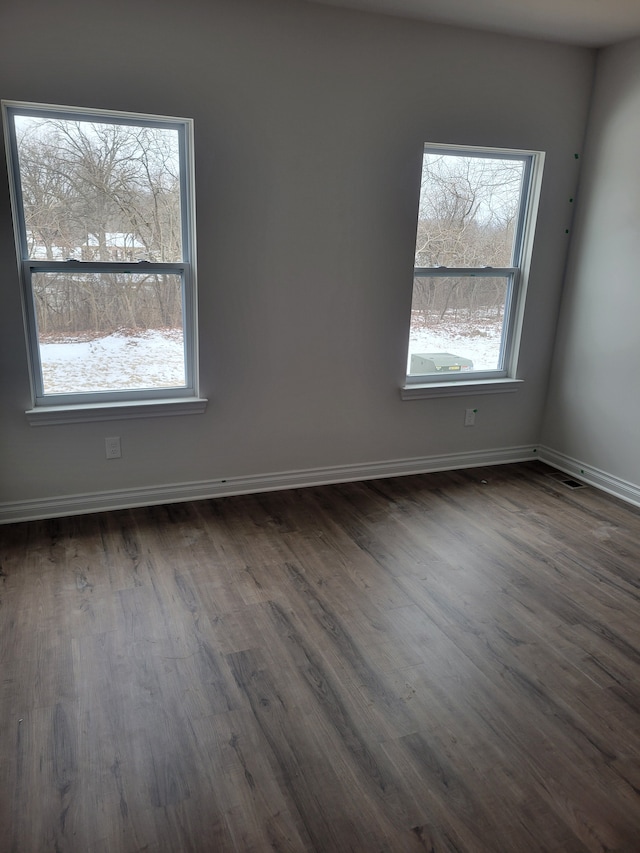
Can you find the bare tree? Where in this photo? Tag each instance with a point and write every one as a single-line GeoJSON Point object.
{"type": "Point", "coordinates": [106, 192]}
{"type": "Point", "coordinates": [468, 209]}
{"type": "Point", "coordinates": [467, 218]}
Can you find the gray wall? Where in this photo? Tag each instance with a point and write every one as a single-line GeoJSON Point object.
{"type": "Point", "coordinates": [593, 411]}
{"type": "Point", "coordinates": [309, 128]}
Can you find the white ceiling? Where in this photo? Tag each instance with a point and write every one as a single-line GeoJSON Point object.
{"type": "Point", "coordinates": [593, 23]}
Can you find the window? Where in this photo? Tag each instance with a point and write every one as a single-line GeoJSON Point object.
{"type": "Point", "coordinates": [473, 242]}
{"type": "Point", "coordinates": [103, 211]}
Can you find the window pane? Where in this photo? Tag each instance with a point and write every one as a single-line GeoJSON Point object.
{"type": "Point", "coordinates": [109, 331]}
{"type": "Point", "coordinates": [456, 324]}
{"type": "Point", "coordinates": [468, 212]}
{"type": "Point", "coordinates": [99, 191]}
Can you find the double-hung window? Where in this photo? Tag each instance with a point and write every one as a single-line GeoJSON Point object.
{"type": "Point", "coordinates": [103, 210]}
{"type": "Point", "coordinates": [474, 236]}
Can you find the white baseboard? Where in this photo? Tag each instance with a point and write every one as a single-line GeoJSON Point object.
{"type": "Point", "coordinates": [623, 489]}
{"type": "Point", "coordinates": [61, 505]}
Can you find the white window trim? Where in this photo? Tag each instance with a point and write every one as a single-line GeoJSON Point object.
{"type": "Point", "coordinates": [47, 415]}
{"type": "Point", "coordinates": [459, 388]}
{"type": "Point", "coordinates": [63, 408]}
{"type": "Point", "coordinates": [421, 386]}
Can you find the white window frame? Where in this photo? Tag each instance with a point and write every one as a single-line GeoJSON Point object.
{"type": "Point", "coordinates": [504, 378]}
{"type": "Point", "coordinates": [113, 404]}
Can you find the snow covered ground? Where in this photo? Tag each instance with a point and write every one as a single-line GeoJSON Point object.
{"type": "Point", "coordinates": [123, 360]}
{"type": "Point", "coordinates": [155, 358]}
{"type": "Point", "coordinates": [480, 342]}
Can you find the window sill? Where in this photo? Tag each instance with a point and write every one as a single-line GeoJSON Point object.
{"type": "Point", "coordinates": [459, 389]}
{"type": "Point", "coordinates": [46, 415]}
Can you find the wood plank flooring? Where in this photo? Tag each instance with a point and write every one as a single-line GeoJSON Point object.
{"type": "Point", "coordinates": [446, 663]}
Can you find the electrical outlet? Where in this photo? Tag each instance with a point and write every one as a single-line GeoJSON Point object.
{"type": "Point", "coordinates": [112, 447]}
{"type": "Point", "coordinates": [470, 417]}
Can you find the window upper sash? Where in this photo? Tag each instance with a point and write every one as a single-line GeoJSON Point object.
{"type": "Point", "coordinates": [464, 272]}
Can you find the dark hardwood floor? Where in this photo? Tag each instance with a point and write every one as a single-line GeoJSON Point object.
{"type": "Point", "coordinates": [447, 662]}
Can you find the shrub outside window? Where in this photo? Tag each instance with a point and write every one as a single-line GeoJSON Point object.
{"type": "Point", "coordinates": [473, 242]}
{"type": "Point", "coordinates": [103, 211]}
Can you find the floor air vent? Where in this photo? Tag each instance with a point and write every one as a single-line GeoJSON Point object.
{"type": "Point", "coordinates": [573, 484]}
{"type": "Point", "coordinates": [569, 482]}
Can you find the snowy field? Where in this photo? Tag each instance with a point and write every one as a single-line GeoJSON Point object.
{"type": "Point", "coordinates": [151, 359]}
{"type": "Point", "coordinates": [480, 343]}
{"type": "Point", "coordinates": [155, 358]}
